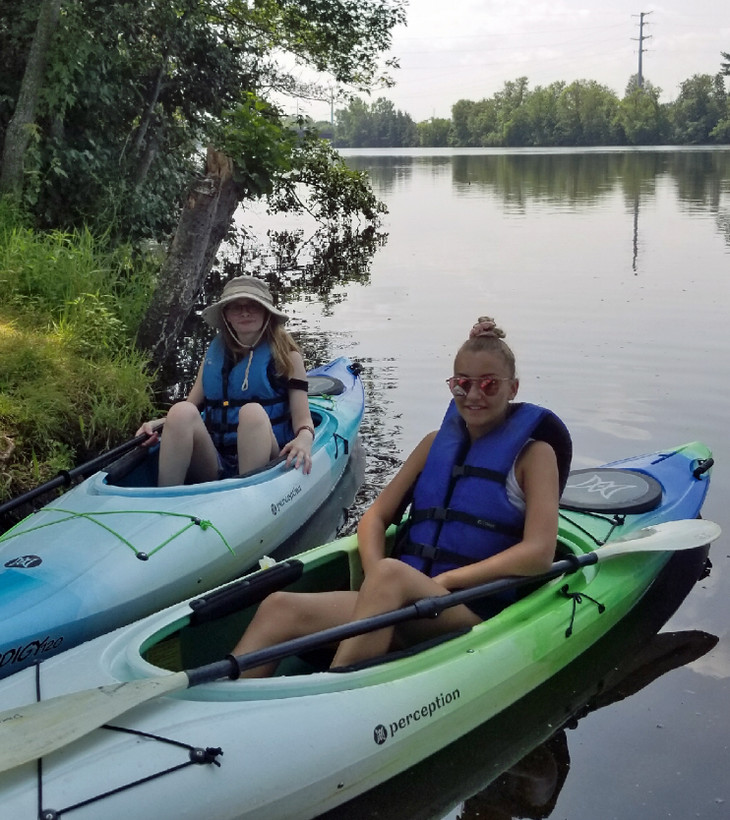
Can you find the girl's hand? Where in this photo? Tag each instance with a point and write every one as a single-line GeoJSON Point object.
{"type": "Point", "coordinates": [298, 451]}
{"type": "Point", "coordinates": [443, 579]}
{"type": "Point", "coordinates": [151, 429]}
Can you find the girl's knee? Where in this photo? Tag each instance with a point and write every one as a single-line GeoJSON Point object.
{"type": "Point", "coordinates": [252, 414]}
{"type": "Point", "coordinates": [389, 571]}
{"type": "Point", "coordinates": [388, 581]}
{"type": "Point", "coordinates": [183, 412]}
{"type": "Point", "coordinates": [278, 607]}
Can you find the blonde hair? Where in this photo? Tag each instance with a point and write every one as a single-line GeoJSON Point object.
{"type": "Point", "coordinates": [491, 341]}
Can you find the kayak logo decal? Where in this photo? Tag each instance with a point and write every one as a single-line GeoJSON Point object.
{"type": "Point", "coordinates": [19, 654]}
{"type": "Point", "coordinates": [24, 562]}
{"type": "Point", "coordinates": [606, 489]}
{"type": "Point", "coordinates": [278, 506]}
{"type": "Point", "coordinates": [382, 733]}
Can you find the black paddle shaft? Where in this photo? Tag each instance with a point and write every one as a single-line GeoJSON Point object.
{"type": "Point", "coordinates": [65, 477]}
{"type": "Point", "coordinates": [431, 607]}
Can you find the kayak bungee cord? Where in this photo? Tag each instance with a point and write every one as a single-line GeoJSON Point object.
{"type": "Point", "coordinates": [143, 555]}
{"type": "Point", "coordinates": [197, 756]}
{"type": "Point", "coordinates": [616, 520]}
{"type": "Point", "coordinates": [578, 598]}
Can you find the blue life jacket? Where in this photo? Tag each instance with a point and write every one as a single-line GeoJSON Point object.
{"type": "Point", "coordinates": [460, 512]}
{"type": "Point", "coordinates": [224, 397]}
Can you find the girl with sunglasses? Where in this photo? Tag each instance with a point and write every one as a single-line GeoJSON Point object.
{"type": "Point", "coordinates": [483, 493]}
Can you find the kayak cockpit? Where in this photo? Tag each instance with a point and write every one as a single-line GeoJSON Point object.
{"type": "Point", "coordinates": [217, 620]}
{"type": "Point", "coordinates": [138, 468]}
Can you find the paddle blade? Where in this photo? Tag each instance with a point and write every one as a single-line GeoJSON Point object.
{"type": "Point", "coordinates": [671, 536]}
{"type": "Point", "coordinates": [32, 731]}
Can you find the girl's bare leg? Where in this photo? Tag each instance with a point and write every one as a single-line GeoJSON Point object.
{"type": "Point", "coordinates": [186, 449]}
{"type": "Point", "coordinates": [285, 615]}
{"type": "Point", "coordinates": [257, 444]}
{"type": "Point", "coordinates": [389, 585]}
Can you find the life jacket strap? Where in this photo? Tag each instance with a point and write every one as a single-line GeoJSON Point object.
{"type": "Point", "coordinates": [470, 471]}
{"type": "Point", "coordinates": [215, 404]}
{"type": "Point", "coordinates": [446, 514]}
{"type": "Point", "coordinates": [430, 553]}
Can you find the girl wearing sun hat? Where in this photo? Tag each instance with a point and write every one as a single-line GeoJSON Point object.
{"type": "Point", "coordinates": [252, 387]}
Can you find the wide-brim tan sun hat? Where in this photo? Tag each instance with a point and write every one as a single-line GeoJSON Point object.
{"type": "Point", "coordinates": [242, 287]}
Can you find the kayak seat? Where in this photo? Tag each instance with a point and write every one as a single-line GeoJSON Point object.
{"type": "Point", "coordinates": [611, 490]}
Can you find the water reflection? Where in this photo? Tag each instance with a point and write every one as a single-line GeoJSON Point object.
{"type": "Point", "coordinates": [516, 764]}
{"type": "Point", "coordinates": [565, 179]}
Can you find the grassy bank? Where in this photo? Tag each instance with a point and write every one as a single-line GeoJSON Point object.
{"type": "Point", "coordinates": [71, 382]}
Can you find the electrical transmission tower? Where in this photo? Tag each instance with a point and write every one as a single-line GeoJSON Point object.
{"type": "Point", "coordinates": [641, 38]}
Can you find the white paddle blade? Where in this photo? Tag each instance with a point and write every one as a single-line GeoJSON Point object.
{"type": "Point", "coordinates": [671, 536]}
{"type": "Point", "coordinates": [32, 731]}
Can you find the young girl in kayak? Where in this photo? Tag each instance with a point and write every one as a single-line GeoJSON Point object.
{"type": "Point", "coordinates": [484, 493]}
{"type": "Point", "coordinates": [253, 387]}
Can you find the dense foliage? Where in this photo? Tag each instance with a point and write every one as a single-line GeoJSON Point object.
{"type": "Point", "coordinates": [70, 378]}
{"type": "Point", "coordinates": [582, 113]}
{"type": "Point", "coordinates": [128, 93]}
{"type": "Point", "coordinates": [114, 116]}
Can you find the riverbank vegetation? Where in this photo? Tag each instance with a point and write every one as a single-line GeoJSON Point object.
{"type": "Point", "coordinates": [71, 379]}
{"type": "Point", "coordinates": [581, 113]}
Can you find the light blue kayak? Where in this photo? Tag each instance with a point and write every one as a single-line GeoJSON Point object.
{"type": "Point", "coordinates": [116, 547]}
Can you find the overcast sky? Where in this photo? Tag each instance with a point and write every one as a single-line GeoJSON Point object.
{"type": "Point", "coordinates": [467, 49]}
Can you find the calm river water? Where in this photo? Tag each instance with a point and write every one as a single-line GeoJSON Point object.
{"type": "Point", "coordinates": [610, 272]}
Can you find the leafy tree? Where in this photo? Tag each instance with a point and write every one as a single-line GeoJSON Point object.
{"type": "Point", "coordinates": [721, 132]}
{"type": "Point", "coordinates": [463, 114]}
{"type": "Point", "coordinates": [378, 125]}
{"type": "Point", "coordinates": [701, 104]}
{"type": "Point", "coordinates": [641, 115]}
{"type": "Point", "coordinates": [133, 89]}
{"type": "Point", "coordinates": [541, 109]}
{"type": "Point", "coordinates": [587, 114]}
{"type": "Point", "coordinates": [23, 118]}
{"type": "Point", "coordinates": [434, 133]}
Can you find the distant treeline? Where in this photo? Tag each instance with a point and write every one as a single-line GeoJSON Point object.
{"type": "Point", "coordinates": [582, 113]}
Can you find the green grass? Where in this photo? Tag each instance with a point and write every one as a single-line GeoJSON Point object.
{"type": "Point", "coordinates": [72, 383]}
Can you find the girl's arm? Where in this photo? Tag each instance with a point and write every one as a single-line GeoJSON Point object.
{"type": "Point", "coordinates": [388, 506]}
{"type": "Point", "coordinates": [298, 451]}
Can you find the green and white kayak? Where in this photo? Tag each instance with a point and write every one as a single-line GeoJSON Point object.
{"type": "Point", "coordinates": [117, 547]}
{"type": "Point", "coordinates": [193, 744]}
